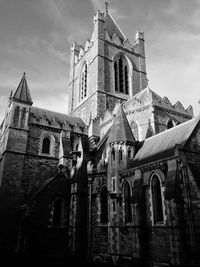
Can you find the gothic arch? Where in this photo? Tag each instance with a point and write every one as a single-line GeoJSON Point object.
{"type": "Point", "coordinates": [156, 198]}
{"type": "Point", "coordinates": [170, 123]}
{"type": "Point", "coordinates": [103, 197]}
{"type": "Point", "coordinates": [16, 116]}
{"type": "Point", "coordinates": [127, 202]}
{"type": "Point", "coordinates": [122, 73]}
{"type": "Point", "coordinates": [47, 144]}
{"type": "Point", "coordinates": [83, 80]}
{"type": "Point", "coordinates": [135, 129]}
{"type": "Point", "coordinates": [23, 117]}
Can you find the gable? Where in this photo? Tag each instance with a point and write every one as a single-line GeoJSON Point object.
{"type": "Point", "coordinates": [193, 143]}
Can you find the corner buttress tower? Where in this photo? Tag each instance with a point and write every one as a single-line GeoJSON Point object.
{"type": "Point", "coordinates": [121, 149]}
{"type": "Point", "coordinates": [13, 139]}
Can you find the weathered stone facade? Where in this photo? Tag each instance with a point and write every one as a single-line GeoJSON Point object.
{"type": "Point", "coordinates": [118, 181]}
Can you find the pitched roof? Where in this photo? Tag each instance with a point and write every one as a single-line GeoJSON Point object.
{"type": "Point", "coordinates": [22, 93]}
{"type": "Point", "coordinates": [162, 145]}
{"type": "Point", "coordinates": [112, 27]}
{"type": "Point", "coordinates": [120, 129]}
{"type": "Point", "coordinates": [52, 116]}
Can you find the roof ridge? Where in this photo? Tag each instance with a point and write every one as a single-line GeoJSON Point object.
{"type": "Point", "coordinates": [172, 129]}
{"type": "Point", "coordinates": [60, 113]}
{"type": "Point", "coordinates": [120, 129]}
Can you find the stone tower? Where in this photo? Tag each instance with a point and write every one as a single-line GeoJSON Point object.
{"type": "Point", "coordinates": [14, 132]}
{"type": "Point", "coordinates": [121, 149]}
{"type": "Point", "coordinates": [106, 70]}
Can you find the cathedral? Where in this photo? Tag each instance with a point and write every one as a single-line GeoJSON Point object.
{"type": "Point", "coordinates": [115, 180]}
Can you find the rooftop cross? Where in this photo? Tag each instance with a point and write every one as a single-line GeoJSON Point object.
{"type": "Point", "coordinates": [106, 4]}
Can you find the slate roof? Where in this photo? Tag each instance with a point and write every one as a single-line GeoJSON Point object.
{"type": "Point", "coordinates": [112, 27]}
{"type": "Point", "coordinates": [52, 116]}
{"type": "Point", "coordinates": [120, 129]}
{"type": "Point", "coordinates": [22, 93]}
{"type": "Point", "coordinates": [162, 145]}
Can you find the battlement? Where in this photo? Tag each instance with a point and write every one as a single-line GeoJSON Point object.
{"type": "Point", "coordinates": [149, 97]}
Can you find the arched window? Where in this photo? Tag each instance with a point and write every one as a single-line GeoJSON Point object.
{"type": "Point", "coordinates": [83, 89]}
{"type": "Point", "coordinates": [58, 212]}
{"type": "Point", "coordinates": [120, 155]}
{"type": "Point", "coordinates": [134, 128]}
{"type": "Point", "coordinates": [46, 145]}
{"type": "Point", "coordinates": [16, 116]}
{"type": "Point", "coordinates": [113, 154]}
{"type": "Point", "coordinates": [127, 203]}
{"type": "Point", "coordinates": [121, 75]}
{"type": "Point", "coordinates": [156, 199]}
{"type": "Point", "coordinates": [129, 153]}
{"type": "Point", "coordinates": [104, 204]}
{"type": "Point", "coordinates": [170, 124]}
{"type": "Point", "coordinates": [23, 117]}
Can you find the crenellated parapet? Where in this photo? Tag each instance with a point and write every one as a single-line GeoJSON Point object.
{"type": "Point", "coordinates": [148, 97]}
{"type": "Point", "coordinates": [80, 50]}
{"type": "Point", "coordinates": [125, 43]}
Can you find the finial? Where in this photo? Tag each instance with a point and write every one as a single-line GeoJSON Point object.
{"type": "Point", "coordinates": [106, 4]}
{"type": "Point", "coordinates": [24, 73]}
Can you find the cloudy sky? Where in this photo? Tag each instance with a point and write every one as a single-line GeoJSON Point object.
{"type": "Point", "coordinates": [36, 35]}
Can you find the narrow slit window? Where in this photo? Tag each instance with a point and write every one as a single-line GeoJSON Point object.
{"type": "Point", "coordinates": [23, 117]}
{"type": "Point", "coordinates": [156, 200]}
{"type": "Point", "coordinates": [120, 155]}
{"type": "Point", "coordinates": [104, 204]}
{"type": "Point", "coordinates": [113, 154]}
{"type": "Point", "coordinates": [16, 116]}
{"type": "Point", "coordinates": [127, 200]}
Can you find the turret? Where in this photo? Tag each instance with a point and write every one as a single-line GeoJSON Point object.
{"type": "Point", "coordinates": [20, 104]}
{"type": "Point", "coordinates": [121, 142]}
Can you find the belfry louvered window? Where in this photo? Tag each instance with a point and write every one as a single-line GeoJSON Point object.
{"type": "Point", "coordinates": [121, 75]}
{"type": "Point", "coordinates": [84, 74]}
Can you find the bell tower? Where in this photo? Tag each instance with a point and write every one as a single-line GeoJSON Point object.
{"type": "Point", "coordinates": [107, 70]}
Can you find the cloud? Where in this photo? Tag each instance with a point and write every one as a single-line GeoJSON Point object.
{"type": "Point", "coordinates": [36, 37]}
